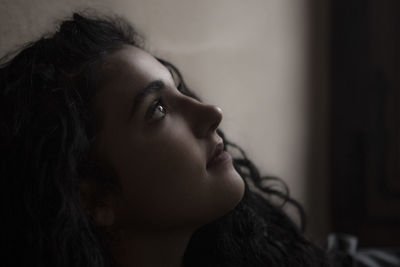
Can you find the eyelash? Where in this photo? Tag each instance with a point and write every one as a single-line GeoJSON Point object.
{"type": "Point", "coordinates": [152, 110]}
{"type": "Point", "coordinates": [159, 102]}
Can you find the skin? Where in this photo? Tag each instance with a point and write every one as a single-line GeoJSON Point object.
{"type": "Point", "coordinates": [166, 191]}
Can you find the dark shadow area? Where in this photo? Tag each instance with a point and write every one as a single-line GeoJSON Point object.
{"type": "Point", "coordinates": [365, 120]}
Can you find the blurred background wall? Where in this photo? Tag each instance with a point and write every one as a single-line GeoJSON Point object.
{"type": "Point", "coordinates": [264, 62]}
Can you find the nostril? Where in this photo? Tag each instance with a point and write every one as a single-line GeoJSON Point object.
{"type": "Point", "coordinates": [214, 126]}
{"type": "Point", "coordinates": [216, 116]}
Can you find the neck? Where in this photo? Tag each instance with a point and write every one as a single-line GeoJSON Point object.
{"type": "Point", "coordinates": [150, 249]}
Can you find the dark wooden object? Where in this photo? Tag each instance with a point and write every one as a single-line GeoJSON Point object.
{"type": "Point", "coordinates": [366, 120]}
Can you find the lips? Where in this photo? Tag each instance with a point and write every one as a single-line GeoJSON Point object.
{"type": "Point", "coordinates": [218, 149]}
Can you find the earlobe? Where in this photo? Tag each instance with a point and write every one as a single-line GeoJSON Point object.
{"type": "Point", "coordinates": [103, 216]}
{"type": "Point", "coordinates": [99, 210]}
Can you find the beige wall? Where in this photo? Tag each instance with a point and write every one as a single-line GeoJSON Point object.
{"type": "Point", "coordinates": [262, 61]}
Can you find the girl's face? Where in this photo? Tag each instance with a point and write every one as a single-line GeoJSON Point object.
{"type": "Point", "coordinates": [159, 142]}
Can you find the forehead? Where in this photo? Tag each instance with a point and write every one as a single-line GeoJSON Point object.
{"type": "Point", "coordinates": [124, 74]}
{"type": "Point", "coordinates": [135, 64]}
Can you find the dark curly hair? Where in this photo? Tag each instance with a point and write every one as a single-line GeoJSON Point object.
{"type": "Point", "coordinates": [47, 137]}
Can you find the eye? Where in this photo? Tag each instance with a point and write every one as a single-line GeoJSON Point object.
{"type": "Point", "coordinates": [157, 111]}
{"type": "Point", "coordinates": [179, 87]}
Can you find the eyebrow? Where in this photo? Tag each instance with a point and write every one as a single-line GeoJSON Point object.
{"type": "Point", "coordinates": [151, 88]}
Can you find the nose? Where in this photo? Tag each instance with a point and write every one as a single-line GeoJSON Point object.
{"type": "Point", "coordinates": [204, 118]}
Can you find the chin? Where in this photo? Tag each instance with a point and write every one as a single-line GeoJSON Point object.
{"type": "Point", "coordinates": [238, 193]}
{"type": "Point", "coordinates": [230, 198]}
{"type": "Point", "coordinates": [221, 198]}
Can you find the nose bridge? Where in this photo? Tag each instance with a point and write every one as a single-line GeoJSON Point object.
{"type": "Point", "coordinates": [203, 118]}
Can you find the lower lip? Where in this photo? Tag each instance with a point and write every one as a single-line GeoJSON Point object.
{"type": "Point", "coordinates": [222, 158]}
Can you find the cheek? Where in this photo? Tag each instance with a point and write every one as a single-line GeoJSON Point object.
{"type": "Point", "coordinates": [170, 158]}
{"type": "Point", "coordinates": [165, 182]}
{"type": "Point", "coordinates": [164, 178]}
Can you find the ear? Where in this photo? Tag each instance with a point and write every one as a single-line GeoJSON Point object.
{"type": "Point", "coordinates": [96, 203]}
{"type": "Point", "coordinates": [104, 216]}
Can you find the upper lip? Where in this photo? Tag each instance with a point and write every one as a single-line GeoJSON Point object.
{"type": "Point", "coordinates": [218, 148]}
